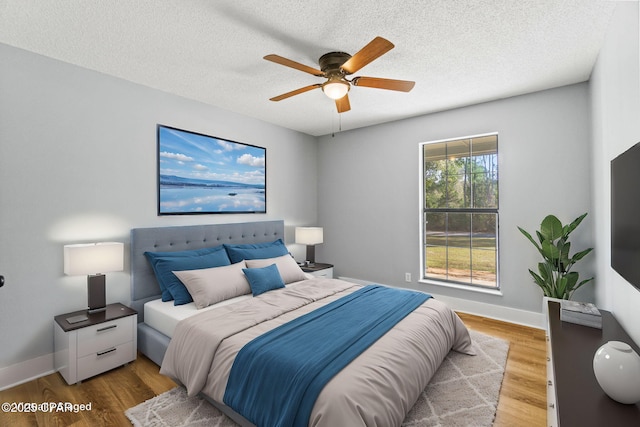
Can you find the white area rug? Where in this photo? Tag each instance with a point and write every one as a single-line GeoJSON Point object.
{"type": "Point", "coordinates": [463, 392]}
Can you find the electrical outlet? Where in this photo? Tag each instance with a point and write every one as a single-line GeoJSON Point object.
{"type": "Point", "coordinates": [407, 277]}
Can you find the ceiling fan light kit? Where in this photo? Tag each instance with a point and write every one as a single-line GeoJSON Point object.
{"type": "Point", "coordinates": [335, 66]}
{"type": "Point", "coordinates": [335, 89]}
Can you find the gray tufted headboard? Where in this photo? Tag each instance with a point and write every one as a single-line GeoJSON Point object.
{"type": "Point", "coordinates": [144, 286]}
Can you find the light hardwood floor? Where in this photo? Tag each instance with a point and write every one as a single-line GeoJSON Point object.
{"type": "Point", "coordinates": [524, 387]}
{"type": "Point", "coordinates": [522, 397]}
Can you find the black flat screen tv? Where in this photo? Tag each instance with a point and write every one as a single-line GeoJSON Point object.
{"type": "Point", "coordinates": [625, 215]}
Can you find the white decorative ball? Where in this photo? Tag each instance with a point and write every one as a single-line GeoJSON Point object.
{"type": "Point", "coordinates": [617, 369]}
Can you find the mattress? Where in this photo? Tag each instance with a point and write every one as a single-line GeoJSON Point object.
{"type": "Point", "coordinates": [164, 316]}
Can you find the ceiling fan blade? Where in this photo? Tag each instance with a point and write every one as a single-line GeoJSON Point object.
{"type": "Point", "coordinates": [389, 84]}
{"type": "Point", "coordinates": [295, 92]}
{"type": "Point", "coordinates": [342, 104]}
{"type": "Point", "coordinates": [375, 49]}
{"type": "Point", "coordinates": [293, 64]}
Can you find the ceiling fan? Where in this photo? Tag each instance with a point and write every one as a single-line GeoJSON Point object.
{"type": "Point", "coordinates": [336, 66]}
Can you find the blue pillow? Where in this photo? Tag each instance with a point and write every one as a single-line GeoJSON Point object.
{"type": "Point", "coordinates": [256, 251]}
{"type": "Point", "coordinates": [263, 279]}
{"type": "Point", "coordinates": [164, 263]}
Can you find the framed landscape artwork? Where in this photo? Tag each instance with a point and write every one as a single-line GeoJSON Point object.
{"type": "Point", "coordinates": [201, 174]}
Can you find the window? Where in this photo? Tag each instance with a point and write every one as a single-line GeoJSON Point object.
{"type": "Point", "coordinates": [459, 192]}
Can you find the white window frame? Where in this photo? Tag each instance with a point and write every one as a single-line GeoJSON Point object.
{"type": "Point", "coordinates": [445, 283]}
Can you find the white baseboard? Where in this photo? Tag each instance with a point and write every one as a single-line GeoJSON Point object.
{"type": "Point", "coordinates": [507, 314]}
{"type": "Point", "coordinates": [26, 371]}
{"type": "Point", "coordinates": [498, 312]}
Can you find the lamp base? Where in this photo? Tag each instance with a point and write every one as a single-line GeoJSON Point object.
{"type": "Point", "coordinates": [311, 255]}
{"type": "Point", "coordinates": [96, 293]}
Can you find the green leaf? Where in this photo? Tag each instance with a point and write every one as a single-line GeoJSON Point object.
{"type": "Point", "coordinates": [579, 255]}
{"type": "Point", "coordinates": [564, 262]}
{"type": "Point", "coordinates": [546, 289]}
{"type": "Point", "coordinates": [545, 271]}
{"type": "Point", "coordinates": [576, 222]}
{"type": "Point", "coordinates": [572, 278]}
{"type": "Point", "coordinates": [528, 236]}
{"type": "Point", "coordinates": [537, 279]}
{"type": "Point", "coordinates": [564, 248]}
{"type": "Point", "coordinates": [551, 228]}
{"type": "Point", "coordinates": [583, 282]}
{"type": "Point", "coordinates": [561, 286]}
{"type": "Point", "coordinates": [550, 251]}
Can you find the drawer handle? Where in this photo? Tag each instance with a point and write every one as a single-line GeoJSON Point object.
{"type": "Point", "coordinates": [551, 405]}
{"type": "Point", "coordinates": [106, 328]}
{"type": "Point", "coordinates": [549, 383]}
{"type": "Point", "coordinates": [102, 353]}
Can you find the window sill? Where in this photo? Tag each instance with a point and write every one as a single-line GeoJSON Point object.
{"type": "Point", "coordinates": [451, 285]}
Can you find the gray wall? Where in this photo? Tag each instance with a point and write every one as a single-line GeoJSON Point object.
{"type": "Point", "coordinates": [78, 164]}
{"type": "Point", "coordinates": [615, 112]}
{"type": "Point", "coordinates": [369, 201]}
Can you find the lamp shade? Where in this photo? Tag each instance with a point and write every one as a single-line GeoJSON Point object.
{"type": "Point", "coordinates": [93, 258]}
{"type": "Point", "coordinates": [309, 235]}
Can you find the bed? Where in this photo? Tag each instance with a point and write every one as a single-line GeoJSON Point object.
{"type": "Point", "coordinates": [378, 386]}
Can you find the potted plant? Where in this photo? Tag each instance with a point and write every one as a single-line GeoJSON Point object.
{"type": "Point", "coordinates": [554, 275]}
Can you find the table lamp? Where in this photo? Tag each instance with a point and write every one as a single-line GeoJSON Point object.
{"type": "Point", "coordinates": [309, 236]}
{"type": "Point", "coordinates": [93, 259]}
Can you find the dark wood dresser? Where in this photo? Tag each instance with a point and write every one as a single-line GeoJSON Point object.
{"type": "Point", "coordinates": [579, 400]}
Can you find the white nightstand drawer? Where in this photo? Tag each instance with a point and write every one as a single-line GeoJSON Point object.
{"type": "Point", "coordinates": [326, 272]}
{"type": "Point", "coordinates": [103, 336]}
{"type": "Point", "coordinates": [104, 360]}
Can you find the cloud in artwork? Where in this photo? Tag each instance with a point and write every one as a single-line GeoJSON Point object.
{"type": "Point", "coordinates": [229, 146]}
{"type": "Point", "coordinates": [176, 156]}
{"type": "Point", "coordinates": [249, 160]}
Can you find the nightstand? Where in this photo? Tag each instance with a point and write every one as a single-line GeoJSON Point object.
{"type": "Point", "coordinates": [104, 341]}
{"type": "Point", "coordinates": [319, 270]}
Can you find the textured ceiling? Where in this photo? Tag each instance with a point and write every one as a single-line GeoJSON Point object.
{"type": "Point", "coordinates": [458, 52]}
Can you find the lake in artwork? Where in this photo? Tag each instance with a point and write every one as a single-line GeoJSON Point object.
{"type": "Point", "coordinates": [212, 199]}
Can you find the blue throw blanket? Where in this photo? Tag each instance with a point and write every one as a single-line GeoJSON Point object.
{"type": "Point", "coordinates": [276, 378]}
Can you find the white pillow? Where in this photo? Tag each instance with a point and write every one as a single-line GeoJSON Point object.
{"type": "Point", "coordinates": [209, 286]}
{"type": "Point", "coordinates": [287, 266]}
